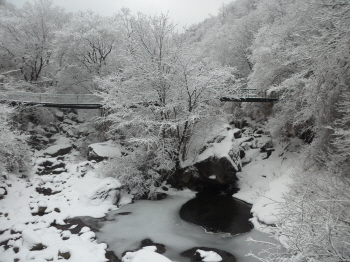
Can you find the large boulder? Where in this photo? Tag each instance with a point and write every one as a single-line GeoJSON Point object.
{"type": "Point", "coordinates": [217, 164]}
{"type": "Point", "coordinates": [58, 150]}
{"type": "Point", "coordinates": [220, 160]}
{"type": "Point", "coordinates": [216, 170]}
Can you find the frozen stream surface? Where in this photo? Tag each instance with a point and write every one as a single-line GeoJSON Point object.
{"type": "Point", "coordinates": [160, 221]}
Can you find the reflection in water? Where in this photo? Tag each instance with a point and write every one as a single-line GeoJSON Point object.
{"type": "Point", "coordinates": [160, 221]}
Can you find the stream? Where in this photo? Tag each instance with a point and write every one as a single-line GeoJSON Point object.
{"type": "Point", "coordinates": [160, 221]}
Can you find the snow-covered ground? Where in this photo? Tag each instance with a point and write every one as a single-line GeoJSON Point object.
{"type": "Point", "coordinates": [27, 216]}
{"type": "Point", "coordinates": [263, 181]}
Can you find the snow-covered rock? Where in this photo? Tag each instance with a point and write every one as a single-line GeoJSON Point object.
{"type": "Point", "coordinates": [42, 206]}
{"type": "Point", "coordinates": [3, 192]}
{"type": "Point", "coordinates": [58, 150]}
{"type": "Point", "coordinates": [32, 240]}
{"type": "Point", "coordinates": [266, 145]}
{"type": "Point", "coordinates": [222, 168]}
{"type": "Point", "coordinates": [101, 151]}
{"type": "Point", "coordinates": [59, 115]}
{"type": "Point", "coordinates": [66, 234]}
{"type": "Point", "coordinates": [50, 165]}
{"type": "Point", "coordinates": [64, 253]}
{"type": "Point", "coordinates": [88, 236]}
{"type": "Point", "coordinates": [80, 119]}
{"type": "Point", "coordinates": [237, 133]}
{"type": "Point", "coordinates": [69, 122]}
{"type": "Point", "coordinates": [223, 148]}
{"type": "Point", "coordinates": [39, 130]}
{"type": "Point", "coordinates": [70, 133]}
{"type": "Point", "coordinates": [147, 254]}
{"type": "Point", "coordinates": [40, 256]}
{"type": "Point", "coordinates": [82, 130]}
{"type": "Point", "coordinates": [217, 163]}
{"type": "Point", "coordinates": [72, 116]}
{"type": "Point", "coordinates": [246, 145]}
{"type": "Point", "coordinates": [109, 189]}
{"type": "Point", "coordinates": [210, 256]}
{"type": "Point", "coordinates": [18, 228]}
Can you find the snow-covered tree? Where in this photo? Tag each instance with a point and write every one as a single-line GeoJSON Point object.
{"type": "Point", "coordinates": [15, 153]}
{"type": "Point", "coordinates": [27, 35]}
{"type": "Point", "coordinates": [303, 54]}
{"type": "Point", "coordinates": [84, 49]}
{"type": "Point", "coordinates": [161, 96]}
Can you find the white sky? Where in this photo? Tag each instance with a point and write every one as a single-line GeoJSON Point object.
{"type": "Point", "coordinates": [183, 12]}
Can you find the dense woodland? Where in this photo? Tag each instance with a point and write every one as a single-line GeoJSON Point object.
{"type": "Point", "coordinates": [161, 84]}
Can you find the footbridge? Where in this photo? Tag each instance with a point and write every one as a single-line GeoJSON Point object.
{"type": "Point", "coordinates": [249, 95]}
{"type": "Point", "coordinates": [90, 101]}
{"type": "Point", "coordinates": [83, 101]}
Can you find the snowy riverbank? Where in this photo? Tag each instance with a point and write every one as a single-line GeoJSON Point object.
{"type": "Point", "coordinates": [35, 208]}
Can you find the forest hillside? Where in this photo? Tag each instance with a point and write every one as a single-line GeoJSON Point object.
{"type": "Point", "coordinates": [161, 88]}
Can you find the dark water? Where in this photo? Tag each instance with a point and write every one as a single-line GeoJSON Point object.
{"type": "Point", "coordinates": [218, 213]}
{"type": "Point", "coordinates": [160, 221]}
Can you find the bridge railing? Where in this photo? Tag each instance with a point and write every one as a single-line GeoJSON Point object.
{"type": "Point", "coordinates": [46, 98]}
{"type": "Point", "coordinates": [244, 93]}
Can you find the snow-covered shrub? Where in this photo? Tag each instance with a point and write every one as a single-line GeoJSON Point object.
{"type": "Point", "coordinates": [15, 153]}
{"type": "Point", "coordinates": [36, 115]}
{"type": "Point", "coordinates": [137, 172]}
{"type": "Point", "coordinates": [314, 222]}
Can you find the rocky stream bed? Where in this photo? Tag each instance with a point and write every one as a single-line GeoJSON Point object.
{"type": "Point", "coordinates": [64, 210]}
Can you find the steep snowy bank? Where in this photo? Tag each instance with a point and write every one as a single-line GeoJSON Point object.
{"type": "Point", "coordinates": [265, 178]}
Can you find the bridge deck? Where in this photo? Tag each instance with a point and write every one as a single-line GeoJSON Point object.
{"type": "Point", "coordinates": [248, 99]}
{"type": "Point", "coordinates": [89, 101]}
{"type": "Point", "coordinates": [53, 100]}
{"type": "Point", "coordinates": [248, 95]}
